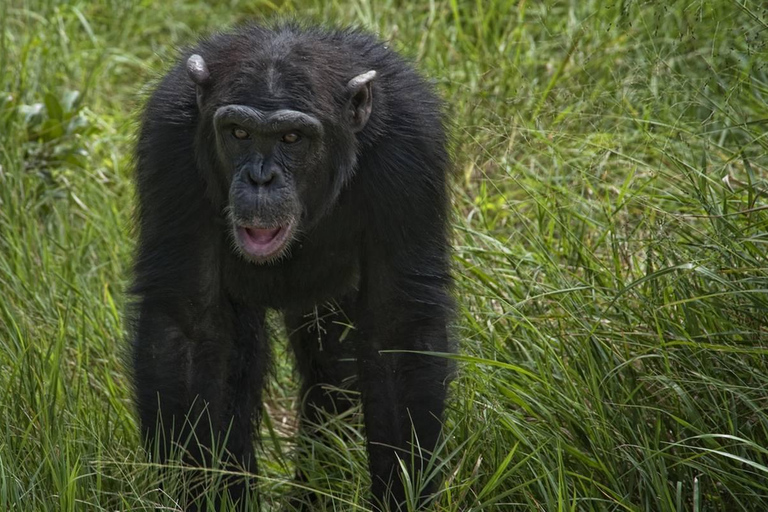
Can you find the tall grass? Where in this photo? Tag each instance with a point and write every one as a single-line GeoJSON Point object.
{"type": "Point", "coordinates": [611, 233]}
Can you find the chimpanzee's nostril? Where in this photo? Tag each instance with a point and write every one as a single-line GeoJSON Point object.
{"type": "Point", "coordinates": [260, 177]}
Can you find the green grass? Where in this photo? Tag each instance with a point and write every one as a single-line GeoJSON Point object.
{"type": "Point", "coordinates": [611, 236]}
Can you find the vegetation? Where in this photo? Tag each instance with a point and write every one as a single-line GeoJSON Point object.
{"type": "Point", "coordinates": [611, 235]}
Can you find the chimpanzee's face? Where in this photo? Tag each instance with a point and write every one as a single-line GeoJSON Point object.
{"type": "Point", "coordinates": [273, 157]}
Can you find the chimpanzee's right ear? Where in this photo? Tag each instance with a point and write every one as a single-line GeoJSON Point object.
{"type": "Point", "coordinates": [198, 72]}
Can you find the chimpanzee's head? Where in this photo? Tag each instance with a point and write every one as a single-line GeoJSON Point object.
{"type": "Point", "coordinates": [285, 143]}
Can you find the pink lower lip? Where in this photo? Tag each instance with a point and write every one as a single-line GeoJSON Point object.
{"type": "Point", "coordinates": [261, 237]}
{"type": "Point", "coordinates": [262, 242]}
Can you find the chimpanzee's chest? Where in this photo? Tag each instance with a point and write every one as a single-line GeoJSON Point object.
{"type": "Point", "coordinates": [315, 276]}
{"type": "Point", "coordinates": [319, 268]}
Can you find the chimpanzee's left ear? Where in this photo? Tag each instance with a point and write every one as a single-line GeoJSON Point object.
{"type": "Point", "coordinates": [360, 100]}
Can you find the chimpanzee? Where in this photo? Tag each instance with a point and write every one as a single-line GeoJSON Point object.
{"type": "Point", "coordinates": [302, 169]}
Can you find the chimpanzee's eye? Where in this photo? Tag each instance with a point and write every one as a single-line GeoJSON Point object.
{"type": "Point", "coordinates": [291, 137]}
{"type": "Point", "coordinates": [241, 134]}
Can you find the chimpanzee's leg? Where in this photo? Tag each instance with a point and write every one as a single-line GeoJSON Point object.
{"type": "Point", "coordinates": [246, 371]}
{"type": "Point", "coordinates": [198, 384]}
{"type": "Point", "coordinates": [402, 316]}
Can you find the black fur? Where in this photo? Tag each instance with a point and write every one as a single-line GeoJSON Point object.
{"type": "Point", "coordinates": [372, 239]}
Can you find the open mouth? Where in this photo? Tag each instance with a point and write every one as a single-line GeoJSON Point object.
{"type": "Point", "coordinates": [262, 243]}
